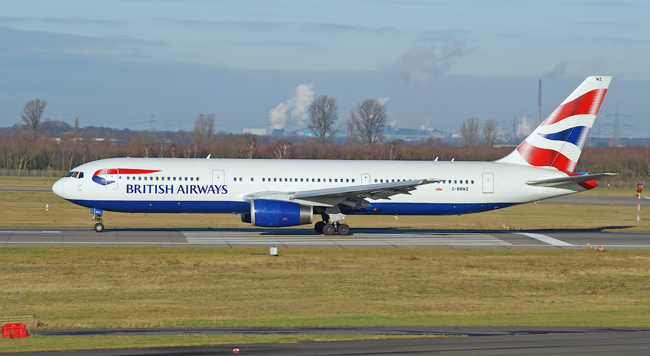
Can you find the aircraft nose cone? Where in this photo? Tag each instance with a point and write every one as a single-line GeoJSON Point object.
{"type": "Point", "coordinates": [57, 188]}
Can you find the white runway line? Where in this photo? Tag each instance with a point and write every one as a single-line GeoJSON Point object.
{"type": "Point", "coordinates": [395, 240]}
{"type": "Point", "coordinates": [30, 232]}
{"type": "Point", "coordinates": [547, 239]}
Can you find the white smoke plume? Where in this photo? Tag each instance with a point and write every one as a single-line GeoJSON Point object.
{"type": "Point", "coordinates": [297, 108]}
{"type": "Point", "coordinates": [558, 70]}
{"type": "Point", "coordinates": [420, 65]}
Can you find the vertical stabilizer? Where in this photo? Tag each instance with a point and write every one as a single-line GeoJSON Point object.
{"type": "Point", "coordinates": [558, 141]}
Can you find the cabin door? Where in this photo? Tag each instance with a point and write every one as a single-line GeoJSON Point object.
{"type": "Point", "coordinates": [488, 183]}
{"type": "Point", "coordinates": [365, 179]}
{"type": "Point", "coordinates": [218, 177]}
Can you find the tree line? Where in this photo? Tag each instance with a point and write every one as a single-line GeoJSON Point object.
{"type": "Point", "coordinates": [32, 149]}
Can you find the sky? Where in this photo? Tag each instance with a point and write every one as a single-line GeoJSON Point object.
{"type": "Point", "coordinates": [257, 64]}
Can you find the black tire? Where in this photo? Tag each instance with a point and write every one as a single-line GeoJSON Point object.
{"type": "Point", "coordinates": [99, 227]}
{"type": "Point", "coordinates": [344, 229]}
{"type": "Point", "coordinates": [329, 229]}
{"type": "Point", "coordinates": [319, 227]}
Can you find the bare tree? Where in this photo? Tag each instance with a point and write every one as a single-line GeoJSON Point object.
{"type": "Point", "coordinates": [469, 132]}
{"type": "Point", "coordinates": [323, 113]}
{"type": "Point", "coordinates": [283, 150]}
{"type": "Point", "coordinates": [367, 121]}
{"type": "Point", "coordinates": [251, 148]}
{"type": "Point", "coordinates": [32, 115]}
{"type": "Point", "coordinates": [203, 128]}
{"type": "Point", "coordinates": [490, 132]}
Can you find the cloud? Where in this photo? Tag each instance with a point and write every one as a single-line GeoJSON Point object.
{"type": "Point", "coordinates": [254, 26]}
{"type": "Point", "coordinates": [273, 43]}
{"type": "Point", "coordinates": [297, 108]}
{"type": "Point", "coordinates": [72, 21]}
{"type": "Point", "coordinates": [338, 29]}
{"type": "Point", "coordinates": [30, 43]}
{"type": "Point", "coordinates": [441, 36]}
{"type": "Point", "coordinates": [558, 70]}
{"type": "Point", "coordinates": [420, 65]}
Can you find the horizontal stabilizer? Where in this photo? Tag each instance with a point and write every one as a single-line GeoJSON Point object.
{"type": "Point", "coordinates": [555, 182]}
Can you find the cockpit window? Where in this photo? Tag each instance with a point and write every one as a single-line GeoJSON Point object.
{"type": "Point", "coordinates": [69, 174]}
{"type": "Point", "coordinates": [75, 174]}
{"type": "Point", "coordinates": [81, 175]}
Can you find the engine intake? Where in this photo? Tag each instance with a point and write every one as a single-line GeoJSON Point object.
{"type": "Point", "coordinates": [276, 213]}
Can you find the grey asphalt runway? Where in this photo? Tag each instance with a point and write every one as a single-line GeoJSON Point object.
{"type": "Point", "coordinates": [478, 341]}
{"type": "Point", "coordinates": [360, 238]}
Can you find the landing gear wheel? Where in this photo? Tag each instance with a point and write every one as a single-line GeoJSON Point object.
{"type": "Point", "coordinates": [329, 229]}
{"type": "Point", "coordinates": [344, 229]}
{"type": "Point", "coordinates": [319, 227]}
{"type": "Point", "coordinates": [99, 227]}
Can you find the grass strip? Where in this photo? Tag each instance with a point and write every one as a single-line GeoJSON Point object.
{"type": "Point", "coordinates": [70, 343]}
{"type": "Point", "coordinates": [110, 287]}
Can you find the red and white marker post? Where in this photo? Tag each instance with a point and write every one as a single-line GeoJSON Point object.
{"type": "Point", "coordinates": [639, 188]}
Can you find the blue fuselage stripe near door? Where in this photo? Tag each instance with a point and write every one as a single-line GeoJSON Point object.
{"type": "Point", "coordinates": [155, 206]}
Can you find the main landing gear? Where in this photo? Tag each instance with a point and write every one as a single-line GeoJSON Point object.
{"type": "Point", "coordinates": [330, 225]}
{"type": "Point", "coordinates": [97, 216]}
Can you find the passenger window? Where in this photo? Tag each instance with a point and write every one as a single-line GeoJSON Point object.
{"type": "Point", "coordinates": [455, 181]}
{"type": "Point", "coordinates": [197, 179]}
{"type": "Point", "coordinates": [192, 179]}
{"type": "Point", "coordinates": [285, 179]}
{"type": "Point", "coordinates": [301, 180]}
{"type": "Point", "coordinates": [127, 178]}
{"type": "Point", "coordinates": [262, 179]}
{"type": "Point", "coordinates": [240, 179]}
{"type": "Point", "coordinates": [375, 180]}
{"type": "Point", "coordinates": [252, 180]}
{"type": "Point", "coordinates": [174, 178]}
{"type": "Point", "coordinates": [275, 179]}
{"type": "Point", "coordinates": [465, 181]}
{"type": "Point", "coordinates": [347, 180]}
{"type": "Point", "coordinates": [472, 181]}
{"type": "Point", "coordinates": [318, 180]}
{"type": "Point", "coordinates": [352, 180]}
{"type": "Point", "coordinates": [330, 180]}
{"type": "Point", "coordinates": [186, 179]}
{"type": "Point", "coordinates": [139, 178]}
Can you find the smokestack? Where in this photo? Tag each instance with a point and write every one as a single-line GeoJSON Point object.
{"type": "Point", "coordinates": [539, 104]}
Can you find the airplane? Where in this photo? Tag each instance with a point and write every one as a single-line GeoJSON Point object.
{"type": "Point", "coordinates": [282, 193]}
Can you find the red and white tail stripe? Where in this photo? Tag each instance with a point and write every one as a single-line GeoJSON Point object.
{"type": "Point", "coordinates": [558, 141]}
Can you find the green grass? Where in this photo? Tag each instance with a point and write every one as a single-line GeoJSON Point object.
{"type": "Point", "coordinates": [176, 287]}
{"type": "Point", "coordinates": [221, 343]}
{"type": "Point", "coordinates": [27, 181]}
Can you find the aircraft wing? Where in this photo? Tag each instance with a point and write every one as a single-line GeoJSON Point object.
{"type": "Point", "coordinates": [353, 196]}
{"type": "Point", "coordinates": [555, 182]}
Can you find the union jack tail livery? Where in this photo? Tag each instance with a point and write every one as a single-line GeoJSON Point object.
{"type": "Point", "coordinates": [558, 141]}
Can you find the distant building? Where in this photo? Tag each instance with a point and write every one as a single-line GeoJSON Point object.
{"type": "Point", "coordinates": [258, 132]}
{"type": "Point", "coordinates": [277, 132]}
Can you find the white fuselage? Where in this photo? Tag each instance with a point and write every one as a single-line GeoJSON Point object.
{"type": "Point", "coordinates": [177, 185]}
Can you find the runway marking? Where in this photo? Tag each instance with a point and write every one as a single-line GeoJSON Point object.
{"type": "Point", "coordinates": [392, 240]}
{"type": "Point", "coordinates": [547, 239]}
{"type": "Point", "coordinates": [30, 232]}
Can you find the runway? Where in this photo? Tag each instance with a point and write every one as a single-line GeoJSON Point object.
{"type": "Point", "coordinates": [307, 238]}
{"type": "Point", "coordinates": [477, 341]}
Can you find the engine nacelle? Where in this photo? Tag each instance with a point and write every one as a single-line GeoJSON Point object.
{"type": "Point", "coordinates": [276, 213]}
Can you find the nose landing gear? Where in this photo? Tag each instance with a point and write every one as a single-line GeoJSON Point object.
{"type": "Point", "coordinates": [97, 216]}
